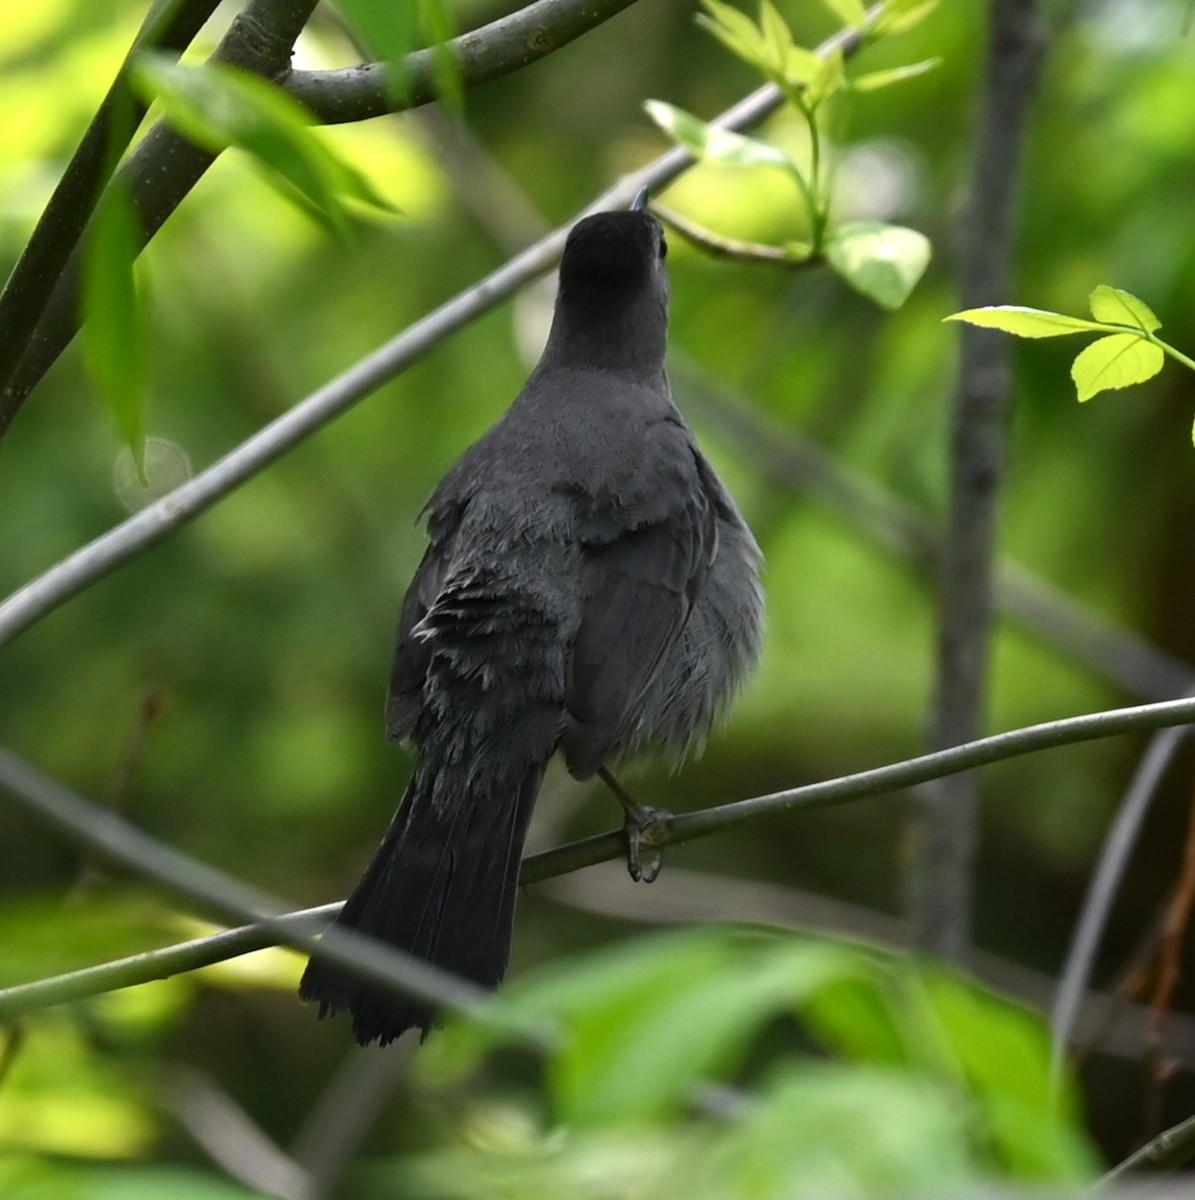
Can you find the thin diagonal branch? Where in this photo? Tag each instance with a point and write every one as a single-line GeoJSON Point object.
{"type": "Point", "coordinates": [945, 824]}
{"type": "Point", "coordinates": [54, 802]}
{"type": "Point", "coordinates": [157, 521]}
{"type": "Point", "coordinates": [170, 25]}
{"type": "Point", "coordinates": [1170, 1150]}
{"type": "Point", "coordinates": [1101, 891]}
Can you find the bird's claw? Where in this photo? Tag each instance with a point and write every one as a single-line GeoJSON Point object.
{"type": "Point", "coordinates": [643, 827]}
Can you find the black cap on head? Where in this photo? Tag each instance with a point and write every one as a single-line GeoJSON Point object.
{"type": "Point", "coordinates": [611, 251]}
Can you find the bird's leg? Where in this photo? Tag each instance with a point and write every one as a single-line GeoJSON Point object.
{"type": "Point", "coordinates": [643, 827]}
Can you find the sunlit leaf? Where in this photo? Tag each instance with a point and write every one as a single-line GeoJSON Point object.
{"type": "Point", "coordinates": [776, 33]}
{"type": "Point", "coordinates": [852, 13]}
{"type": "Point", "coordinates": [739, 34]}
{"type": "Point", "coordinates": [902, 15]}
{"type": "Point", "coordinates": [1117, 361]}
{"type": "Point", "coordinates": [874, 80]}
{"type": "Point", "coordinates": [830, 78]}
{"type": "Point", "coordinates": [712, 144]}
{"type": "Point", "coordinates": [801, 66]}
{"type": "Point", "coordinates": [1024, 322]}
{"type": "Point", "coordinates": [114, 335]}
{"type": "Point", "coordinates": [388, 30]}
{"type": "Point", "coordinates": [219, 106]}
{"type": "Point", "coordinates": [884, 262]}
{"type": "Point", "coordinates": [1122, 308]}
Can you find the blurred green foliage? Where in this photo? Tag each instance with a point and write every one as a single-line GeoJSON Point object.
{"type": "Point", "coordinates": [265, 627]}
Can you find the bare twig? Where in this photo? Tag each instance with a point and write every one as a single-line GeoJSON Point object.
{"type": "Point", "coordinates": [1167, 1152]}
{"type": "Point", "coordinates": [1170, 949]}
{"type": "Point", "coordinates": [157, 521]}
{"type": "Point", "coordinates": [945, 823]}
{"type": "Point", "coordinates": [505, 45]}
{"type": "Point", "coordinates": [54, 802]}
{"type": "Point", "coordinates": [1097, 904]}
{"type": "Point", "coordinates": [345, 1113]}
{"type": "Point", "coordinates": [170, 25]}
{"type": "Point", "coordinates": [231, 1137]}
{"type": "Point", "coordinates": [723, 247]}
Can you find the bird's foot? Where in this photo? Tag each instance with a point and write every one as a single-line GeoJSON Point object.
{"type": "Point", "coordinates": [643, 826]}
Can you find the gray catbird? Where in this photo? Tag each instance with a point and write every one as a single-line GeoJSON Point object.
{"type": "Point", "coordinates": [590, 587]}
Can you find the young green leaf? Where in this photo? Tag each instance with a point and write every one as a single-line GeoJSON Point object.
{"type": "Point", "coordinates": [1122, 308]}
{"type": "Point", "coordinates": [777, 35]}
{"type": "Point", "coordinates": [1024, 322]}
{"type": "Point", "coordinates": [901, 15]}
{"type": "Point", "coordinates": [114, 344]}
{"type": "Point", "coordinates": [884, 262]}
{"type": "Point", "coordinates": [389, 31]}
{"type": "Point", "coordinates": [1116, 361]}
{"type": "Point", "coordinates": [852, 13]}
{"type": "Point", "coordinates": [872, 81]}
{"type": "Point", "coordinates": [829, 79]}
{"type": "Point", "coordinates": [712, 144]}
{"type": "Point", "coordinates": [801, 66]}
{"type": "Point", "coordinates": [738, 33]}
{"type": "Point", "coordinates": [219, 106]}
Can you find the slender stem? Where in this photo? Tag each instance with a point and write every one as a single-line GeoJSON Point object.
{"type": "Point", "coordinates": [1177, 355]}
{"type": "Point", "coordinates": [946, 822]}
{"type": "Point", "coordinates": [98, 827]}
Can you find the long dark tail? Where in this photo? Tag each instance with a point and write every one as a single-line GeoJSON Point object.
{"type": "Point", "coordinates": [441, 886]}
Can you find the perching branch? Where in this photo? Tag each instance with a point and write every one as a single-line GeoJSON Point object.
{"type": "Point", "coordinates": [945, 825]}
{"type": "Point", "coordinates": [170, 25]}
{"type": "Point", "coordinates": [494, 50]}
{"type": "Point", "coordinates": [181, 874]}
{"type": "Point", "coordinates": [157, 521]}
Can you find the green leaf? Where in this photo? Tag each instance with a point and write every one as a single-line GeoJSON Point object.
{"type": "Point", "coordinates": [1122, 308]}
{"type": "Point", "coordinates": [884, 262]}
{"type": "Point", "coordinates": [389, 31]}
{"type": "Point", "coordinates": [711, 144]}
{"type": "Point", "coordinates": [740, 35]}
{"type": "Point", "coordinates": [777, 35]}
{"type": "Point", "coordinates": [1024, 322]}
{"type": "Point", "coordinates": [852, 13]}
{"type": "Point", "coordinates": [439, 25]}
{"type": "Point", "coordinates": [874, 80]}
{"type": "Point", "coordinates": [1115, 362]}
{"type": "Point", "coordinates": [219, 106]}
{"type": "Point", "coordinates": [899, 16]}
{"type": "Point", "coordinates": [831, 77]}
{"type": "Point", "coordinates": [114, 336]}
{"type": "Point", "coordinates": [801, 66]}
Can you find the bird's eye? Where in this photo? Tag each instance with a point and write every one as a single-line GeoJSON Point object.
{"type": "Point", "coordinates": [663, 246]}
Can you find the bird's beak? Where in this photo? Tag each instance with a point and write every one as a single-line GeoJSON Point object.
{"type": "Point", "coordinates": [640, 201]}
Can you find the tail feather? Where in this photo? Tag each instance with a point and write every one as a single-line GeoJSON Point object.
{"type": "Point", "coordinates": [441, 886]}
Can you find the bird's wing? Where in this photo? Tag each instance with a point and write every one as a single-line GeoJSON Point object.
{"type": "Point", "coordinates": [412, 653]}
{"type": "Point", "coordinates": [638, 588]}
